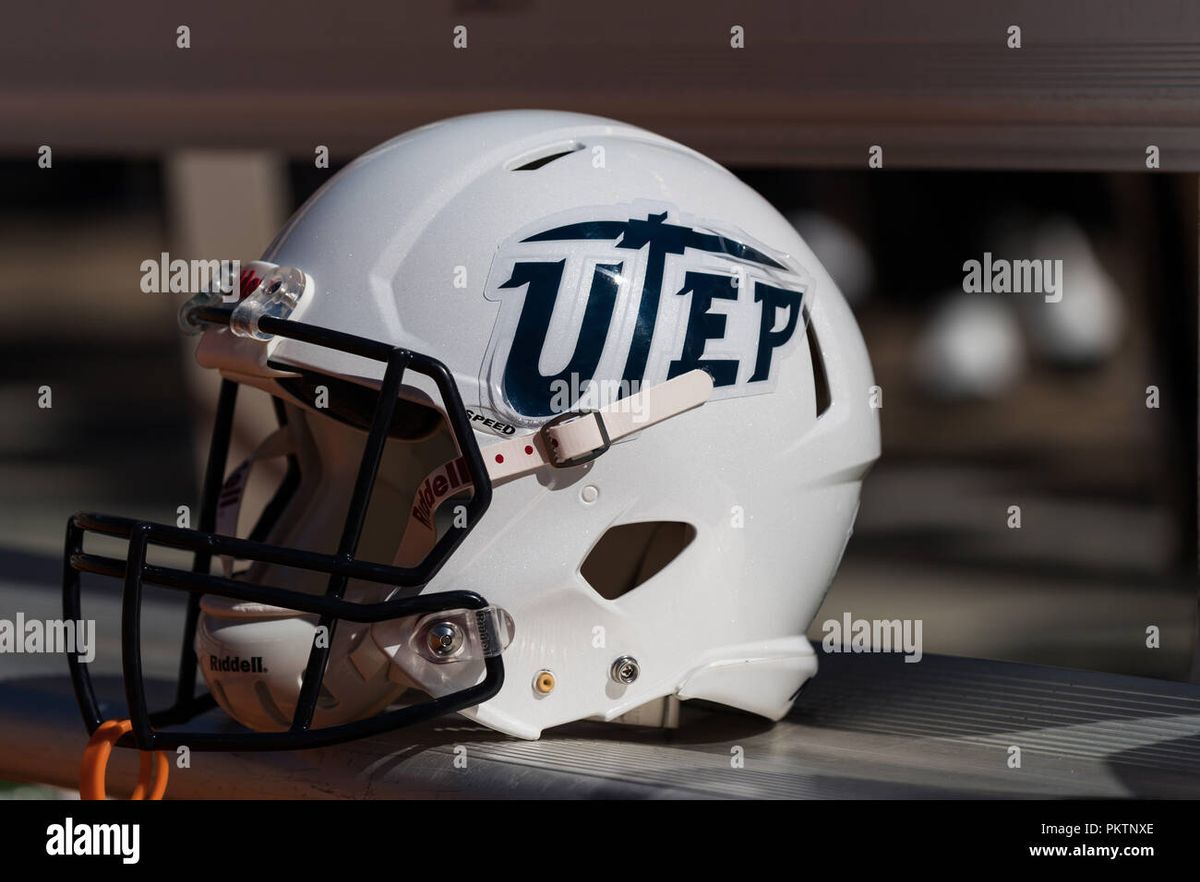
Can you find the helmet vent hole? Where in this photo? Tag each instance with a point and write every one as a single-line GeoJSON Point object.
{"type": "Point", "coordinates": [543, 156]}
{"type": "Point", "coordinates": [629, 554]}
{"type": "Point", "coordinates": [820, 377]}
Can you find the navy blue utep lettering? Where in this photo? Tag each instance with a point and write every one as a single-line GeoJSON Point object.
{"type": "Point", "coordinates": [704, 326]}
{"type": "Point", "coordinates": [773, 299]}
{"type": "Point", "coordinates": [527, 388]}
{"type": "Point", "coordinates": [531, 393]}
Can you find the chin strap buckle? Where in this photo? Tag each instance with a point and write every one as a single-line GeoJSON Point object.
{"type": "Point", "coordinates": [572, 439]}
{"type": "Point", "coordinates": [571, 428]}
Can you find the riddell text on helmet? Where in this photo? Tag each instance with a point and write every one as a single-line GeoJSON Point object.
{"type": "Point", "coordinates": [236, 664]}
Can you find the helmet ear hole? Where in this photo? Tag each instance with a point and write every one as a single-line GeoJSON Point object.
{"type": "Point", "coordinates": [629, 554]}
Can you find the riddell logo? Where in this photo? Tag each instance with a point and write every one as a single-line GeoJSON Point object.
{"type": "Point", "coordinates": [437, 487]}
{"type": "Point", "coordinates": [237, 664]}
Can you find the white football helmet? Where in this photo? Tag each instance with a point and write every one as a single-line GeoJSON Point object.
{"type": "Point", "coordinates": [631, 482]}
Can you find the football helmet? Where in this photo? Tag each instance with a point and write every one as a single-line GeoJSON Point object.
{"type": "Point", "coordinates": [574, 426]}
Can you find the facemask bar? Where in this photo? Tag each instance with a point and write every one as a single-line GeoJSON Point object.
{"type": "Point", "coordinates": [340, 567]}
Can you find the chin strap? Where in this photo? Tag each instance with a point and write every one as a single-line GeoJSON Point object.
{"type": "Point", "coordinates": [152, 770]}
{"type": "Point", "coordinates": [569, 440]}
{"type": "Point", "coordinates": [578, 437]}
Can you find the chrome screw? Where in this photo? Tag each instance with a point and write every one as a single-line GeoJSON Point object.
{"type": "Point", "coordinates": [444, 638]}
{"type": "Point", "coordinates": [625, 670]}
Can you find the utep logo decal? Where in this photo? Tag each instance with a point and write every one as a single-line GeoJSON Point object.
{"type": "Point", "coordinates": [598, 304]}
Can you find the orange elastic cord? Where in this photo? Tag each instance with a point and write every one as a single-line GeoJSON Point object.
{"type": "Point", "coordinates": [153, 766]}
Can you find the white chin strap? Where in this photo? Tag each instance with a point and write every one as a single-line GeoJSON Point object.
{"type": "Point", "coordinates": [575, 438]}
{"type": "Point", "coordinates": [568, 440]}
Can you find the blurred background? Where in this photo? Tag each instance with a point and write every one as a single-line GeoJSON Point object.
{"type": "Point", "coordinates": [989, 401]}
